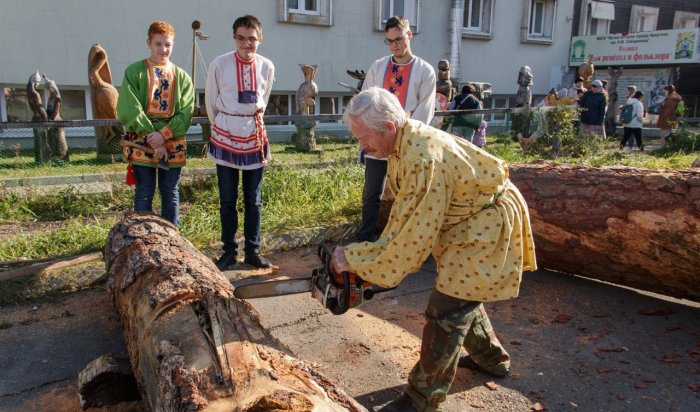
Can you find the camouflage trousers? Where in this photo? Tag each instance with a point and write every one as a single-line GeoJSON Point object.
{"type": "Point", "coordinates": [451, 324]}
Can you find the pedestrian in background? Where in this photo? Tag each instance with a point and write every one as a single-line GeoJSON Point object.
{"type": "Point", "coordinates": [633, 127]}
{"type": "Point", "coordinates": [593, 103]}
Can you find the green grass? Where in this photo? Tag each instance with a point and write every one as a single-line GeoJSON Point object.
{"type": "Point", "coordinates": [20, 164]}
{"type": "Point", "coordinates": [511, 152]}
{"type": "Point", "coordinates": [292, 198]}
{"type": "Point", "coordinates": [72, 238]}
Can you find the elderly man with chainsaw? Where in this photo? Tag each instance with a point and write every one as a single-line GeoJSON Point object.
{"type": "Point", "coordinates": [454, 201]}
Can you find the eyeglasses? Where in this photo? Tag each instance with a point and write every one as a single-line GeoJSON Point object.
{"type": "Point", "coordinates": [397, 41]}
{"type": "Point", "coordinates": [244, 40]}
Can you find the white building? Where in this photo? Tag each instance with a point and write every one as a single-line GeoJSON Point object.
{"type": "Point", "coordinates": [496, 38]}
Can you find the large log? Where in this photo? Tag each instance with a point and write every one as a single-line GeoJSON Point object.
{"type": "Point", "coordinates": [193, 347]}
{"type": "Point", "coordinates": [629, 226]}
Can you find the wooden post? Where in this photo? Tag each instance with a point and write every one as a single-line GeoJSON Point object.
{"type": "Point", "coordinates": [191, 344]}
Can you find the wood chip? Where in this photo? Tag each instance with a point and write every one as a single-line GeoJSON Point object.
{"type": "Point", "coordinates": [604, 370]}
{"type": "Point", "coordinates": [516, 342]}
{"type": "Point", "coordinates": [667, 359]}
{"type": "Point", "coordinates": [649, 380]}
{"type": "Point", "coordinates": [562, 318]}
{"type": "Point", "coordinates": [491, 385]}
{"type": "Point", "coordinates": [620, 397]}
{"type": "Point", "coordinates": [663, 311]}
{"type": "Point", "coordinates": [694, 387]}
{"type": "Point", "coordinates": [640, 386]}
{"type": "Point", "coordinates": [620, 349]}
{"type": "Point", "coordinates": [600, 315]}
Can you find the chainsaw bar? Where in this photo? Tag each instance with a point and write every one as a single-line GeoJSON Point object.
{"type": "Point", "coordinates": [273, 288]}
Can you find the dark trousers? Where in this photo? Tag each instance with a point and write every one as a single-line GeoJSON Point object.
{"type": "Point", "coordinates": [635, 133]}
{"type": "Point", "coordinates": [451, 324]}
{"type": "Point", "coordinates": [252, 203]}
{"type": "Point", "coordinates": [167, 185]}
{"type": "Point", "coordinates": [375, 178]}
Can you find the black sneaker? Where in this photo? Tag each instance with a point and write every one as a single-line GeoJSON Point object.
{"type": "Point", "coordinates": [256, 259]}
{"type": "Point", "coordinates": [401, 404]}
{"type": "Point", "coordinates": [466, 361]}
{"type": "Point", "coordinates": [226, 261]}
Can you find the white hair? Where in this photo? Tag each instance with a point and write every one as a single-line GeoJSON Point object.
{"type": "Point", "coordinates": [375, 106]}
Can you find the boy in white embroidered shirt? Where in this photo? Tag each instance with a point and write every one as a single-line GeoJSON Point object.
{"type": "Point", "coordinates": [237, 91]}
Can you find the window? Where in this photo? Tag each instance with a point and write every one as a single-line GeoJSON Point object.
{"type": "Point", "coordinates": [643, 18]}
{"type": "Point", "coordinates": [539, 21]}
{"type": "Point", "coordinates": [497, 102]}
{"type": "Point", "coordinates": [472, 14]}
{"type": "Point", "coordinates": [383, 9]}
{"type": "Point", "coordinates": [72, 104]}
{"type": "Point", "coordinates": [303, 6]}
{"type": "Point", "coordinates": [598, 17]}
{"type": "Point", "coordinates": [477, 18]}
{"type": "Point", "coordinates": [312, 12]}
{"type": "Point", "coordinates": [537, 18]}
{"type": "Point", "coordinates": [17, 107]}
{"type": "Point", "coordinates": [685, 20]}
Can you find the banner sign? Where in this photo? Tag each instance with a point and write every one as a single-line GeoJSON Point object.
{"type": "Point", "coordinates": [625, 49]}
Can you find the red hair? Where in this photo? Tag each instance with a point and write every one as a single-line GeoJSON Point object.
{"type": "Point", "coordinates": [161, 27]}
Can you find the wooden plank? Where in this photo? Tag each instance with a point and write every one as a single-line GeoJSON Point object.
{"type": "Point", "coordinates": [49, 265]}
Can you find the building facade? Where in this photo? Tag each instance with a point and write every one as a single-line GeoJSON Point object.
{"type": "Point", "coordinates": [665, 31]}
{"type": "Point", "coordinates": [495, 38]}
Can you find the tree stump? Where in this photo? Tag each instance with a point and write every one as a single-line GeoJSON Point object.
{"type": "Point", "coordinates": [193, 347]}
{"type": "Point", "coordinates": [629, 226]}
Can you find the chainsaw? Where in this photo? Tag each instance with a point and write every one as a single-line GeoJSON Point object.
{"type": "Point", "coordinates": [337, 292]}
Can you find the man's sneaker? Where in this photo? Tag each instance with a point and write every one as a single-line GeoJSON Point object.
{"type": "Point", "coordinates": [466, 361]}
{"type": "Point", "coordinates": [257, 260]}
{"type": "Point", "coordinates": [226, 260]}
{"type": "Point", "coordinates": [401, 404]}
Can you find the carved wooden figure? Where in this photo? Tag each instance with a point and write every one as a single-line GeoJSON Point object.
{"type": "Point", "coordinates": [41, 139]}
{"type": "Point", "coordinates": [103, 98]}
{"type": "Point", "coordinates": [305, 138]}
{"type": "Point", "coordinates": [586, 70]}
{"type": "Point", "coordinates": [611, 113]}
{"type": "Point", "coordinates": [56, 135]}
{"type": "Point", "coordinates": [444, 84]}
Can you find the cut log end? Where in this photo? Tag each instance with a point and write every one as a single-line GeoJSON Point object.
{"type": "Point", "coordinates": [192, 346]}
{"type": "Point", "coordinates": [107, 381]}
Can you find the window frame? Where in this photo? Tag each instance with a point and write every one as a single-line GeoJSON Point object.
{"type": "Point", "coordinates": [681, 16]}
{"type": "Point", "coordinates": [322, 17]}
{"type": "Point", "coordinates": [549, 18]}
{"type": "Point", "coordinates": [638, 13]}
{"type": "Point", "coordinates": [380, 21]}
{"type": "Point", "coordinates": [303, 9]}
{"type": "Point", "coordinates": [587, 12]}
{"type": "Point", "coordinates": [469, 17]}
{"type": "Point", "coordinates": [485, 31]}
{"type": "Point", "coordinates": [533, 15]}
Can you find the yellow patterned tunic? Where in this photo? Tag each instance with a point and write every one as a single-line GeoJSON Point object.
{"type": "Point", "coordinates": [455, 201]}
{"type": "Point", "coordinates": [156, 98]}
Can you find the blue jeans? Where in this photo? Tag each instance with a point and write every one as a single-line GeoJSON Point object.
{"type": "Point", "coordinates": [252, 202]}
{"type": "Point", "coordinates": [375, 178]}
{"type": "Point", "coordinates": [167, 185]}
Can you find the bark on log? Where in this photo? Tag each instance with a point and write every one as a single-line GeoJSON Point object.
{"type": "Point", "coordinates": [629, 226]}
{"type": "Point", "coordinates": [193, 347]}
